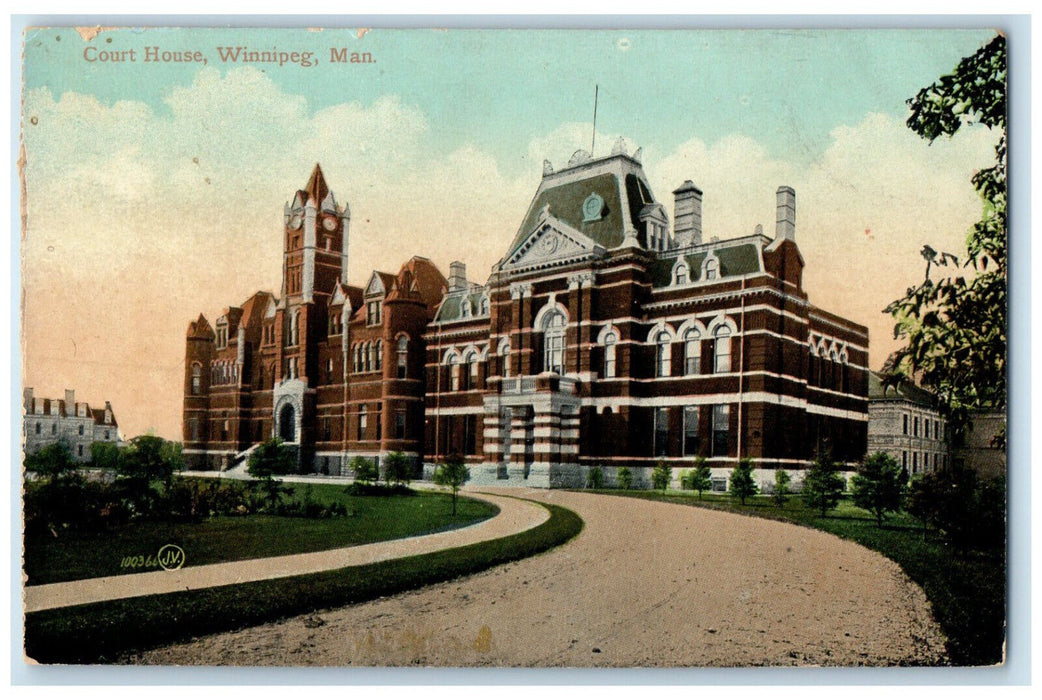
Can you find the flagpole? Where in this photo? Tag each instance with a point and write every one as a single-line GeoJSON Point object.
{"type": "Point", "coordinates": [593, 143]}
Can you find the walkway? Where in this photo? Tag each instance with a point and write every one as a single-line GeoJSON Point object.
{"type": "Point", "coordinates": [645, 584]}
{"type": "Point", "coordinates": [514, 516]}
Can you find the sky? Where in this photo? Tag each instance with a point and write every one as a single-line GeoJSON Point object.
{"type": "Point", "coordinates": [154, 190]}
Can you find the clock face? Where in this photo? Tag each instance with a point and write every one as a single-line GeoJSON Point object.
{"type": "Point", "coordinates": [329, 223]}
{"type": "Point", "coordinates": [295, 220]}
{"type": "Point", "coordinates": [592, 207]}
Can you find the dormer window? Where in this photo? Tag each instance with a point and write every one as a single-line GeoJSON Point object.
{"type": "Point", "coordinates": [222, 334]}
{"type": "Point", "coordinates": [484, 306]}
{"type": "Point", "coordinates": [711, 269]}
{"type": "Point", "coordinates": [681, 272]}
{"type": "Point", "coordinates": [466, 309]}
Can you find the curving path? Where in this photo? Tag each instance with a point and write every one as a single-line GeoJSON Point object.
{"type": "Point", "coordinates": [644, 584]}
{"type": "Point", "coordinates": [514, 516]}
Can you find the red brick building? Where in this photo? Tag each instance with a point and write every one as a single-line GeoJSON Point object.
{"type": "Point", "coordinates": [601, 338]}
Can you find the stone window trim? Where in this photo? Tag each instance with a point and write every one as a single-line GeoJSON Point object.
{"type": "Point", "coordinates": [402, 355]}
{"type": "Point", "coordinates": [710, 268]}
{"type": "Point", "coordinates": [681, 273]}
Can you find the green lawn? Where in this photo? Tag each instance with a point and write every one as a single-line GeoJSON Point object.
{"type": "Point", "coordinates": [72, 556]}
{"type": "Point", "coordinates": [107, 632]}
{"type": "Point", "coordinates": [968, 593]}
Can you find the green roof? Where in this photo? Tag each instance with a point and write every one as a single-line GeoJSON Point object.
{"type": "Point", "coordinates": [450, 307]}
{"type": "Point", "coordinates": [566, 203]}
{"type": "Point", "coordinates": [741, 259]}
{"type": "Point", "coordinates": [902, 390]}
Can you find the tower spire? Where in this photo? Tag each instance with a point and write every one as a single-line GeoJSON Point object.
{"type": "Point", "coordinates": [316, 186]}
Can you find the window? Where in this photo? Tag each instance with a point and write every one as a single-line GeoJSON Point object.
{"type": "Point", "coordinates": [193, 429]}
{"type": "Point", "coordinates": [329, 370]}
{"type": "Point", "coordinates": [222, 334]}
{"type": "Point", "coordinates": [379, 362]}
{"type": "Point", "coordinates": [403, 357]}
{"type": "Point", "coordinates": [81, 429]}
{"type": "Point", "coordinates": [79, 449]}
{"type": "Point", "coordinates": [372, 313]}
{"type": "Point", "coordinates": [915, 427]}
{"type": "Point", "coordinates": [681, 273]}
{"type": "Point", "coordinates": [692, 351]}
{"type": "Point", "coordinates": [399, 425]}
{"type": "Point", "coordinates": [107, 433]}
{"type": "Point", "coordinates": [712, 269]}
{"type": "Point", "coordinates": [504, 353]}
{"type": "Point", "coordinates": [294, 328]}
{"type": "Point", "coordinates": [721, 429]}
{"type": "Point", "coordinates": [469, 372]}
{"type": "Point", "coordinates": [466, 309]}
{"type": "Point", "coordinates": [610, 340]}
{"type": "Point", "coordinates": [915, 462]}
{"type": "Point", "coordinates": [662, 354]}
{"type": "Point", "coordinates": [722, 350]}
{"type": "Point", "coordinates": [367, 357]}
{"type": "Point", "coordinates": [470, 435]}
{"type": "Point", "coordinates": [327, 430]}
{"type": "Point", "coordinates": [454, 373]}
{"type": "Point", "coordinates": [553, 342]}
{"type": "Point", "coordinates": [363, 422]}
{"type": "Point", "coordinates": [661, 431]}
{"type": "Point", "coordinates": [37, 428]}
{"type": "Point", "coordinates": [484, 306]}
{"type": "Point", "coordinates": [292, 368]}
{"type": "Point", "coordinates": [54, 428]}
{"type": "Point", "coordinates": [905, 416]}
{"type": "Point", "coordinates": [197, 379]}
{"type": "Point", "coordinates": [691, 430]}
{"type": "Point", "coordinates": [926, 428]}
{"type": "Point", "coordinates": [904, 460]}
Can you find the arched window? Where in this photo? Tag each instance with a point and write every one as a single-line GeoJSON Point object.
{"type": "Point", "coordinates": [470, 374]}
{"type": "Point", "coordinates": [197, 379]}
{"type": "Point", "coordinates": [722, 350]}
{"type": "Point", "coordinates": [484, 306]}
{"type": "Point", "coordinates": [403, 357]}
{"type": "Point", "coordinates": [454, 372]}
{"type": "Point", "coordinates": [663, 357]}
{"type": "Point", "coordinates": [466, 310]}
{"type": "Point", "coordinates": [712, 269]}
{"type": "Point", "coordinates": [367, 356]}
{"type": "Point", "coordinates": [379, 362]}
{"type": "Point", "coordinates": [692, 351]}
{"type": "Point", "coordinates": [553, 342]}
{"type": "Point", "coordinates": [681, 272]}
{"type": "Point", "coordinates": [610, 340]}
{"type": "Point", "coordinates": [504, 354]}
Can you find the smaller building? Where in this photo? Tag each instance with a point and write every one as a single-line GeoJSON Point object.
{"type": "Point", "coordinates": [976, 447]}
{"type": "Point", "coordinates": [45, 421]}
{"type": "Point", "coordinates": [904, 422]}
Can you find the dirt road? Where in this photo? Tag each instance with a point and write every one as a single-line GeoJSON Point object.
{"type": "Point", "coordinates": [645, 584]}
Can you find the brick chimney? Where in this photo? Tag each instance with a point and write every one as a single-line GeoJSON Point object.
{"type": "Point", "coordinates": [687, 214]}
{"type": "Point", "coordinates": [457, 275]}
{"type": "Point", "coordinates": [70, 402]}
{"type": "Point", "coordinates": [786, 213]}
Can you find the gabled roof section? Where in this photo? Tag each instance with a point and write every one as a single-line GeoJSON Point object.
{"type": "Point", "coordinates": [254, 311]}
{"type": "Point", "coordinates": [551, 240]}
{"type": "Point", "coordinates": [200, 329]}
{"type": "Point", "coordinates": [379, 283]}
{"type": "Point", "coordinates": [601, 198]}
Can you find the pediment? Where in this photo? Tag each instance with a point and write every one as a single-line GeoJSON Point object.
{"type": "Point", "coordinates": [551, 240]}
{"type": "Point", "coordinates": [375, 286]}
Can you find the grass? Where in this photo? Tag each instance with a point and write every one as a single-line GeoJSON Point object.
{"type": "Point", "coordinates": [106, 632]}
{"type": "Point", "coordinates": [73, 556]}
{"type": "Point", "coordinates": [968, 593]}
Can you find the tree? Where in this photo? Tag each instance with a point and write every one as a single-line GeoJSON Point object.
{"type": "Point", "coordinates": [967, 509]}
{"type": "Point", "coordinates": [452, 473]}
{"type": "Point", "coordinates": [822, 486]}
{"type": "Point", "coordinates": [878, 487]}
{"type": "Point", "coordinates": [700, 478]}
{"type": "Point", "coordinates": [52, 460]}
{"type": "Point", "coordinates": [742, 484]}
{"type": "Point", "coordinates": [781, 487]}
{"type": "Point", "coordinates": [272, 458]}
{"type": "Point", "coordinates": [625, 477]}
{"type": "Point", "coordinates": [365, 470]}
{"type": "Point", "coordinates": [105, 455]}
{"type": "Point", "coordinates": [661, 475]}
{"type": "Point", "coordinates": [397, 469]}
{"type": "Point", "coordinates": [148, 459]}
{"type": "Point", "coordinates": [954, 327]}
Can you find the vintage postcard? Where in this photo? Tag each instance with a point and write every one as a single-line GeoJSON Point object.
{"type": "Point", "coordinates": [514, 348]}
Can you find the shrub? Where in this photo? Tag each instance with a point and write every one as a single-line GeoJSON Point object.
{"type": "Point", "coordinates": [661, 476]}
{"type": "Point", "coordinates": [398, 469]}
{"type": "Point", "coordinates": [822, 486]}
{"type": "Point", "coordinates": [625, 478]}
{"type": "Point", "coordinates": [452, 473]}
{"type": "Point", "coordinates": [52, 460]}
{"type": "Point", "coordinates": [366, 471]}
{"type": "Point", "coordinates": [595, 478]}
{"type": "Point", "coordinates": [272, 458]}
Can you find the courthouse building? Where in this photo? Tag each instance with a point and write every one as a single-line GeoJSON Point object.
{"type": "Point", "coordinates": [603, 337]}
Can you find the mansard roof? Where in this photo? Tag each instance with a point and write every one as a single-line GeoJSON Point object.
{"type": "Point", "coordinates": [451, 308]}
{"type": "Point", "coordinates": [254, 310]}
{"type": "Point", "coordinates": [736, 258]}
{"type": "Point", "coordinates": [617, 180]}
{"type": "Point", "coordinates": [430, 284]}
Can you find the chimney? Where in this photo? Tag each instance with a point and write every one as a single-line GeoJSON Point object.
{"type": "Point", "coordinates": [687, 214]}
{"type": "Point", "coordinates": [70, 402]}
{"type": "Point", "coordinates": [457, 275]}
{"type": "Point", "coordinates": [786, 213]}
{"type": "Point", "coordinates": [27, 399]}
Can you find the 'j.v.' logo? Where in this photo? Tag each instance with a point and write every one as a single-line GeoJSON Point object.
{"type": "Point", "coordinates": [171, 557]}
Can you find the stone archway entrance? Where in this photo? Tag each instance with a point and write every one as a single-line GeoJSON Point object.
{"type": "Point", "coordinates": [288, 423]}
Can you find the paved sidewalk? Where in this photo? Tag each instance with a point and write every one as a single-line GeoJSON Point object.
{"type": "Point", "coordinates": [514, 516]}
